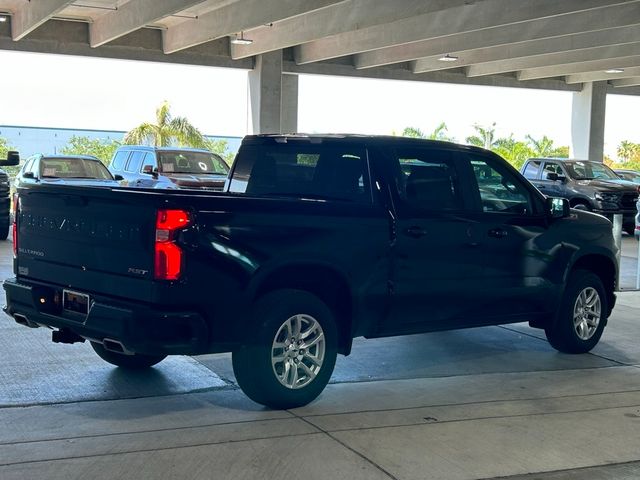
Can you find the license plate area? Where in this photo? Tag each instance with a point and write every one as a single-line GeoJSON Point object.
{"type": "Point", "coordinates": [75, 302]}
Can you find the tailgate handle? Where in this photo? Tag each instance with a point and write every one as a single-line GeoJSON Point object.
{"type": "Point", "coordinates": [498, 233]}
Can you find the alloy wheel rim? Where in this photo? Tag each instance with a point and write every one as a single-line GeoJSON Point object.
{"type": "Point", "coordinates": [298, 351]}
{"type": "Point", "coordinates": [587, 313]}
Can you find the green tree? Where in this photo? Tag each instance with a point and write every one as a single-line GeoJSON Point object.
{"type": "Point", "coordinates": [485, 136]}
{"type": "Point", "coordinates": [513, 151]}
{"type": "Point", "coordinates": [166, 131]}
{"type": "Point", "coordinates": [221, 147]}
{"type": "Point", "coordinates": [4, 148]}
{"type": "Point", "coordinates": [102, 149]}
{"type": "Point", "coordinates": [413, 132]}
{"type": "Point", "coordinates": [628, 151]}
{"type": "Point", "coordinates": [439, 133]}
{"type": "Point", "coordinates": [545, 148]}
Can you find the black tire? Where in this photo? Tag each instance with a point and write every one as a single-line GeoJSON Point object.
{"type": "Point", "coordinates": [136, 361]}
{"type": "Point", "coordinates": [252, 362]}
{"type": "Point", "coordinates": [4, 228]}
{"type": "Point", "coordinates": [575, 331]}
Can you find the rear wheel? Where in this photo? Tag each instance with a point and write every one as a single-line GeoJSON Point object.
{"type": "Point", "coordinates": [4, 228]}
{"type": "Point", "coordinates": [135, 361]}
{"type": "Point", "coordinates": [290, 350]}
{"type": "Point", "coordinates": [582, 315]}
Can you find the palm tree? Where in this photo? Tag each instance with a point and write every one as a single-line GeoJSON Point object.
{"type": "Point", "coordinates": [439, 133]}
{"type": "Point", "coordinates": [627, 150]}
{"type": "Point", "coordinates": [485, 136]}
{"type": "Point", "coordinates": [545, 148]}
{"type": "Point", "coordinates": [166, 131]}
{"type": "Point", "coordinates": [413, 132]}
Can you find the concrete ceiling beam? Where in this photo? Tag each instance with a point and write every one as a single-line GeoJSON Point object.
{"type": "Point", "coordinates": [555, 59]}
{"type": "Point", "coordinates": [131, 16]}
{"type": "Point", "coordinates": [476, 16]}
{"type": "Point", "coordinates": [600, 75]}
{"type": "Point", "coordinates": [498, 58]}
{"type": "Point", "coordinates": [33, 14]}
{"type": "Point", "coordinates": [626, 82]}
{"type": "Point", "coordinates": [234, 18]}
{"type": "Point", "coordinates": [612, 25]}
{"type": "Point", "coordinates": [340, 18]}
{"type": "Point", "coordinates": [578, 68]}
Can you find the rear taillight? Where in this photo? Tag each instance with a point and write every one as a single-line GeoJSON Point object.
{"type": "Point", "coordinates": [168, 255]}
{"type": "Point", "coordinates": [16, 201]}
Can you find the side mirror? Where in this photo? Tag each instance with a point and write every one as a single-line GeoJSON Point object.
{"type": "Point", "coordinates": [552, 176]}
{"type": "Point", "coordinates": [557, 207]}
{"type": "Point", "coordinates": [149, 170]}
{"type": "Point", "coordinates": [28, 175]}
{"type": "Point", "coordinates": [13, 158]}
{"type": "Point", "coordinates": [118, 177]}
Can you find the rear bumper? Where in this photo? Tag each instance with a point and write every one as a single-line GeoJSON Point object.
{"type": "Point", "coordinates": [139, 328]}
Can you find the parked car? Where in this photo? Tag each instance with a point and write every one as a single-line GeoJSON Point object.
{"type": "Point", "coordinates": [169, 167]}
{"type": "Point", "coordinates": [13, 158]}
{"type": "Point", "coordinates": [588, 185]}
{"type": "Point", "coordinates": [630, 175]}
{"type": "Point", "coordinates": [65, 170]}
{"type": "Point", "coordinates": [316, 240]}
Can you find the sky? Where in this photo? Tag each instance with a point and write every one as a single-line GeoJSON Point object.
{"type": "Point", "coordinates": [103, 94]}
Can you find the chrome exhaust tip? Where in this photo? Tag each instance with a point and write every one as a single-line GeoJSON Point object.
{"type": "Point", "coordinates": [115, 346]}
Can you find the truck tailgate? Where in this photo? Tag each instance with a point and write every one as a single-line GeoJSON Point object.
{"type": "Point", "coordinates": [89, 239]}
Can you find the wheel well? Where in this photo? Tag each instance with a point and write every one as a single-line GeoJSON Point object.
{"type": "Point", "coordinates": [604, 268]}
{"type": "Point", "coordinates": [579, 201]}
{"type": "Point", "coordinates": [325, 283]}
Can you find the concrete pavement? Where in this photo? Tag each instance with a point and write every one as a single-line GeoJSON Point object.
{"type": "Point", "coordinates": [474, 404]}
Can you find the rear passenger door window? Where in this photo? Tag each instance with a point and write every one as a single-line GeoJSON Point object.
{"type": "Point", "coordinates": [427, 180]}
{"type": "Point", "coordinates": [119, 160]}
{"type": "Point", "coordinates": [303, 170]}
{"type": "Point", "coordinates": [532, 169]}
{"type": "Point", "coordinates": [134, 163]}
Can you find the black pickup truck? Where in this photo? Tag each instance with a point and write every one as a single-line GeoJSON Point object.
{"type": "Point", "coordinates": [316, 240]}
{"type": "Point", "coordinates": [13, 159]}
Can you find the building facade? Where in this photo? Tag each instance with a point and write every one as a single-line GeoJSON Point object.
{"type": "Point", "coordinates": [31, 140]}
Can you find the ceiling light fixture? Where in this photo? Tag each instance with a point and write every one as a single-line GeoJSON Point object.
{"type": "Point", "coordinates": [448, 58]}
{"type": "Point", "coordinates": [615, 70]}
{"type": "Point", "coordinates": [240, 40]}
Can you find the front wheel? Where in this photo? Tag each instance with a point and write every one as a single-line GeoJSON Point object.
{"type": "Point", "coordinates": [136, 361]}
{"type": "Point", "coordinates": [290, 350]}
{"type": "Point", "coordinates": [582, 315]}
{"type": "Point", "coordinates": [582, 206]}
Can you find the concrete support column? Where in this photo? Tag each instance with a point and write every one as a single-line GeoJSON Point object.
{"type": "Point", "coordinates": [587, 122]}
{"type": "Point", "coordinates": [265, 93]}
{"type": "Point", "coordinates": [289, 107]}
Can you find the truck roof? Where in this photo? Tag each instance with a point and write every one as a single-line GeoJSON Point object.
{"type": "Point", "coordinates": [354, 138]}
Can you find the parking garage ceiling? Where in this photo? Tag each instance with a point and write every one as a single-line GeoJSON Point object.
{"type": "Point", "coordinates": [526, 43]}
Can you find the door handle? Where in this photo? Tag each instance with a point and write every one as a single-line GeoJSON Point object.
{"type": "Point", "coordinates": [415, 231]}
{"type": "Point", "coordinates": [498, 233]}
